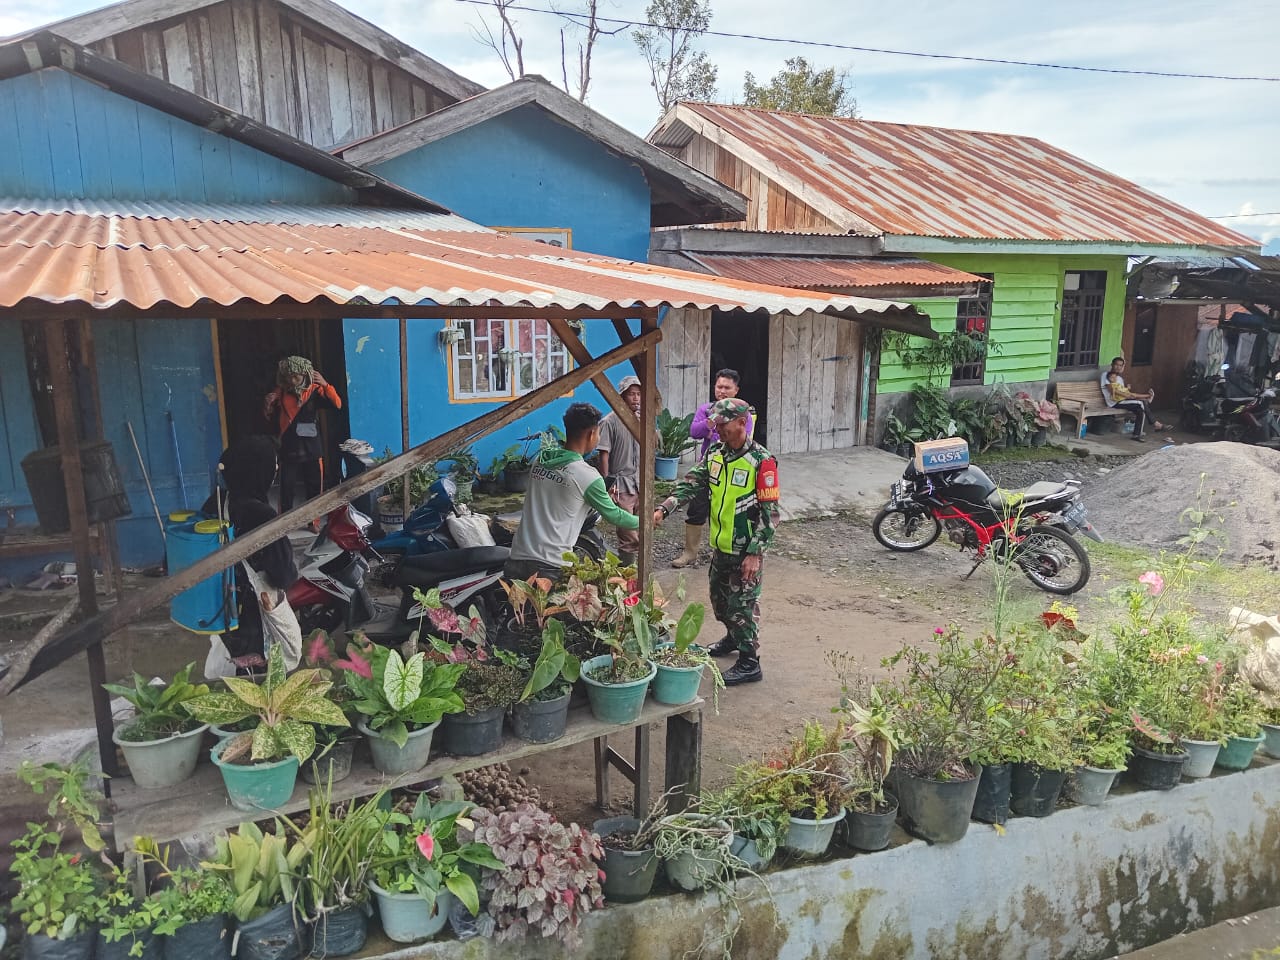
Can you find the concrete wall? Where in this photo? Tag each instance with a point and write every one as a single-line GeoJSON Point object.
{"type": "Point", "coordinates": [1082, 884]}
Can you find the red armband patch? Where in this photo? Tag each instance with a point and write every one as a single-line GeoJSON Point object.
{"type": "Point", "coordinates": [767, 480]}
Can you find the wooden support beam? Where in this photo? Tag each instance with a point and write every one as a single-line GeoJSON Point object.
{"type": "Point", "coordinates": [581, 355]}
{"type": "Point", "coordinates": [405, 505]}
{"type": "Point", "coordinates": [648, 417]}
{"type": "Point", "coordinates": [96, 628]}
{"type": "Point", "coordinates": [625, 336]}
{"type": "Point", "coordinates": [64, 409]}
{"type": "Point", "coordinates": [108, 542]}
{"type": "Point", "coordinates": [684, 759]}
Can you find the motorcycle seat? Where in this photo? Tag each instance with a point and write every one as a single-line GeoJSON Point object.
{"type": "Point", "coordinates": [1012, 499]}
{"type": "Point", "coordinates": [430, 569]}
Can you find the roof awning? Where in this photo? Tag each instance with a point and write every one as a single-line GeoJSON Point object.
{"type": "Point", "coordinates": [873, 275]}
{"type": "Point", "coordinates": [192, 258]}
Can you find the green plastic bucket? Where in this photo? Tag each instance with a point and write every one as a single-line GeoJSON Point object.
{"type": "Point", "coordinates": [676, 685]}
{"type": "Point", "coordinates": [615, 702]}
{"type": "Point", "coordinates": [257, 786]}
{"type": "Point", "coordinates": [1238, 752]}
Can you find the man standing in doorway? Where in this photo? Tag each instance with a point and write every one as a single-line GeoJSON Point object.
{"type": "Point", "coordinates": [740, 479]}
{"type": "Point", "coordinates": [620, 458]}
{"type": "Point", "coordinates": [291, 408]}
{"type": "Point", "coordinates": [703, 429]}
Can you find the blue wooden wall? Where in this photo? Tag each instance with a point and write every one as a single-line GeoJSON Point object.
{"type": "Point", "coordinates": [65, 137]}
{"type": "Point", "coordinates": [520, 169]}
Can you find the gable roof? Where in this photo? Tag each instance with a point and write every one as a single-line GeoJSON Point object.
{"type": "Point", "coordinates": [130, 14]}
{"type": "Point", "coordinates": [680, 194]}
{"type": "Point", "coordinates": [43, 49]}
{"type": "Point", "coordinates": [902, 180]}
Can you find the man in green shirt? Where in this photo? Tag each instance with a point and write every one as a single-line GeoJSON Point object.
{"type": "Point", "coordinates": [740, 478]}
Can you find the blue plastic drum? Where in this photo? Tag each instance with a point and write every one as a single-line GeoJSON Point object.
{"type": "Point", "coordinates": [209, 606]}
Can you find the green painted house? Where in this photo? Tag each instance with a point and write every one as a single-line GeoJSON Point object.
{"type": "Point", "coordinates": [1036, 240]}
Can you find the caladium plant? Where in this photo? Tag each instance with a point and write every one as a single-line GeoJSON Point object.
{"type": "Point", "coordinates": [287, 708]}
{"type": "Point", "coordinates": [402, 694]}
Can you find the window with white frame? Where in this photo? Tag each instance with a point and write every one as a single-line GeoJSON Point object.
{"type": "Point", "coordinates": [503, 359]}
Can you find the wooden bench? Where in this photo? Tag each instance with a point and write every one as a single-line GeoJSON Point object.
{"type": "Point", "coordinates": [1083, 399]}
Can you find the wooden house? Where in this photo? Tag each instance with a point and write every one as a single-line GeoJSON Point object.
{"type": "Point", "coordinates": [1048, 231]}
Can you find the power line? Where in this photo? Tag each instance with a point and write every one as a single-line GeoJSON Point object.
{"type": "Point", "coordinates": [1237, 216]}
{"type": "Point", "coordinates": [896, 53]}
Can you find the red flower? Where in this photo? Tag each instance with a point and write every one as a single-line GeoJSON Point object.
{"type": "Point", "coordinates": [75, 859]}
{"type": "Point", "coordinates": [427, 844]}
{"type": "Point", "coordinates": [631, 601]}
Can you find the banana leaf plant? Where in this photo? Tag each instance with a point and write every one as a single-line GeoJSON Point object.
{"type": "Point", "coordinates": [287, 707]}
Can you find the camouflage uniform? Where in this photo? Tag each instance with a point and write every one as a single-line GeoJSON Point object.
{"type": "Point", "coordinates": [743, 490]}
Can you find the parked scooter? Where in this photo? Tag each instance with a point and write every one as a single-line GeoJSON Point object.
{"type": "Point", "coordinates": [423, 532]}
{"type": "Point", "coordinates": [1252, 419]}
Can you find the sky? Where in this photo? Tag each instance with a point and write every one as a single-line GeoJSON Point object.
{"type": "Point", "coordinates": [1209, 144]}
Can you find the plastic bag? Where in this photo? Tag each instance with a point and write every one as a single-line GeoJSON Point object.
{"type": "Point", "coordinates": [218, 663]}
{"type": "Point", "coordinates": [1261, 665]}
{"type": "Point", "coordinates": [271, 936]}
{"type": "Point", "coordinates": [279, 622]}
{"type": "Point", "coordinates": [469, 529]}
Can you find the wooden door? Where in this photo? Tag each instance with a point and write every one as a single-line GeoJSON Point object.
{"type": "Point", "coordinates": [684, 360]}
{"type": "Point", "coordinates": [814, 385]}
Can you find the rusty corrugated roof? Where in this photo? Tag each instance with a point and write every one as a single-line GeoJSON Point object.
{"type": "Point", "coordinates": [819, 272]}
{"type": "Point", "coordinates": [906, 180]}
{"type": "Point", "coordinates": [53, 256]}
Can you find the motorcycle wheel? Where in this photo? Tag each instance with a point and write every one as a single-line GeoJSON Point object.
{"type": "Point", "coordinates": [591, 545]}
{"type": "Point", "coordinates": [383, 573]}
{"type": "Point", "coordinates": [1053, 560]}
{"type": "Point", "coordinates": [896, 529]}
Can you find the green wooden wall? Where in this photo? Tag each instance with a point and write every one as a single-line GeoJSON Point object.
{"type": "Point", "coordinates": [1024, 315]}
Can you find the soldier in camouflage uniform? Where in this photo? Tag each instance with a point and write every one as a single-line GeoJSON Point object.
{"type": "Point", "coordinates": [741, 478]}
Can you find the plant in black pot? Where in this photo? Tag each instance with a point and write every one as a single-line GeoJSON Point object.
{"type": "Point", "coordinates": [871, 739]}
{"type": "Point", "coordinates": [195, 905]}
{"type": "Point", "coordinates": [533, 603]}
{"type": "Point", "coordinates": [125, 919]}
{"type": "Point", "coordinates": [942, 696]}
{"type": "Point", "coordinates": [542, 711]}
{"type": "Point", "coordinates": [488, 687]}
{"type": "Point", "coordinates": [162, 742]}
{"type": "Point", "coordinates": [262, 870]}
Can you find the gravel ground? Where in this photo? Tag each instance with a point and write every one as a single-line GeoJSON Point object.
{"type": "Point", "coordinates": [1023, 473]}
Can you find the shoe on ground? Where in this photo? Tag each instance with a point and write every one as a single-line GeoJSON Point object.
{"type": "Point", "coordinates": [724, 647]}
{"type": "Point", "coordinates": [746, 670]}
{"type": "Point", "coordinates": [1139, 438]}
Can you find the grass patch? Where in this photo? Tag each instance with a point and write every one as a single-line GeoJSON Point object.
{"type": "Point", "coordinates": [1219, 582]}
{"type": "Point", "coordinates": [1024, 454]}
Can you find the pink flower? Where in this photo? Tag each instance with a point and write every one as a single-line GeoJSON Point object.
{"type": "Point", "coordinates": [631, 601]}
{"type": "Point", "coordinates": [938, 631]}
{"type": "Point", "coordinates": [1202, 659]}
{"type": "Point", "coordinates": [600, 874]}
{"type": "Point", "coordinates": [427, 844]}
{"type": "Point", "coordinates": [1154, 582]}
{"type": "Point", "coordinates": [356, 664]}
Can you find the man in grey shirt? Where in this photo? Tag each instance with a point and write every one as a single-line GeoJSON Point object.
{"type": "Point", "coordinates": [620, 458]}
{"type": "Point", "coordinates": [563, 489]}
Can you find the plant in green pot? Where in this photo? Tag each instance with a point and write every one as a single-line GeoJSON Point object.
{"type": "Point", "coordinates": [402, 702]}
{"type": "Point", "coordinates": [542, 710]}
{"type": "Point", "coordinates": [629, 861]}
{"type": "Point", "coordinates": [162, 742]}
{"type": "Point", "coordinates": [1271, 727]}
{"type": "Point", "coordinates": [260, 768]}
{"type": "Point", "coordinates": [420, 862]}
{"type": "Point", "coordinates": [681, 662]}
{"type": "Point", "coordinates": [262, 870]}
{"type": "Point", "coordinates": [1243, 714]}
{"type": "Point", "coordinates": [618, 682]}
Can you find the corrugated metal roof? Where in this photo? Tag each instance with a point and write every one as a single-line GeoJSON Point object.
{"type": "Point", "coordinates": [835, 271]}
{"type": "Point", "coordinates": [934, 182]}
{"type": "Point", "coordinates": [51, 256]}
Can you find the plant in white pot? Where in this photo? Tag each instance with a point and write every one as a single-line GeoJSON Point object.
{"type": "Point", "coordinates": [260, 767]}
{"type": "Point", "coordinates": [162, 742]}
{"type": "Point", "coordinates": [673, 441]}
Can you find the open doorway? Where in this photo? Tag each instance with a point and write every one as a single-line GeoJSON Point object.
{"type": "Point", "coordinates": [740, 341]}
{"type": "Point", "coordinates": [248, 353]}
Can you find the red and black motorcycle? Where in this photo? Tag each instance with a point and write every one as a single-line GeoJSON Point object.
{"type": "Point", "coordinates": [1032, 527]}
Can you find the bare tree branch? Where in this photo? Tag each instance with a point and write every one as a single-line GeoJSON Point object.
{"type": "Point", "coordinates": [507, 45]}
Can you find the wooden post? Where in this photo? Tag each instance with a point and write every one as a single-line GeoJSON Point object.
{"type": "Point", "coordinates": [684, 759]}
{"type": "Point", "coordinates": [648, 417]}
{"type": "Point", "coordinates": [108, 543]}
{"type": "Point", "coordinates": [64, 408]}
{"type": "Point", "coordinates": [404, 411]}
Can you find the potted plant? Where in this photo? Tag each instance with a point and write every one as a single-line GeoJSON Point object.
{"type": "Point", "coordinates": [696, 851]}
{"type": "Point", "coordinates": [332, 889]}
{"type": "Point", "coordinates": [1243, 714]}
{"type": "Point", "coordinates": [517, 462]}
{"type": "Point", "coordinates": [488, 687]}
{"type": "Point", "coordinates": [1037, 704]}
{"type": "Point", "coordinates": [812, 785]}
{"type": "Point", "coordinates": [402, 702]}
{"type": "Point", "coordinates": [532, 604]}
{"type": "Point", "coordinates": [681, 663]}
{"type": "Point", "coordinates": [489, 482]}
{"type": "Point", "coordinates": [749, 805]}
{"type": "Point", "coordinates": [335, 746]}
{"type": "Point", "coordinates": [391, 502]}
{"type": "Point", "coordinates": [464, 469]}
{"type": "Point", "coordinates": [1047, 418]}
{"type": "Point", "coordinates": [548, 881]}
{"type": "Point", "coordinates": [260, 768]}
{"type": "Point", "coordinates": [618, 682]}
{"type": "Point", "coordinates": [673, 441]}
{"type": "Point", "coordinates": [162, 742]}
{"type": "Point", "coordinates": [1271, 733]}
{"type": "Point", "coordinates": [869, 744]}
{"type": "Point", "coordinates": [420, 863]}
{"type": "Point", "coordinates": [261, 869]}
{"type": "Point", "coordinates": [542, 712]}
{"type": "Point", "coordinates": [942, 698]}
{"type": "Point", "coordinates": [194, 909]}
{"type": "Point", "coordinates": [1205, 687]}
{"type": "Point", "coordinates": [125, 921]}
{"type": "Point", "coordinates": [629, 861]}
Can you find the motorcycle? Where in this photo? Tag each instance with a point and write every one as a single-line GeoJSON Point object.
{"type": "Point", "coordinates": [331, 589]}
{"type": "Point", "coordinates": [1251, 420]}
{"type": "Point", "coordinates": [423, 533]}
{"type": "Point", "coordinates": [1033, 527]}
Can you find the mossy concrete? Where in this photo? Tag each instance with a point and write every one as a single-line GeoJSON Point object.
{"type": "Point", "coordinates": [1084, 883]}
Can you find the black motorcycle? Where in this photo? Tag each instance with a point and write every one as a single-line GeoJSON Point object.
{"type": "Point", "coordinates": [1033, 527]}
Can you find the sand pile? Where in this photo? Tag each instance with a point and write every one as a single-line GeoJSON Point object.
{"type": "Point", "coordinates": [1141, 503]}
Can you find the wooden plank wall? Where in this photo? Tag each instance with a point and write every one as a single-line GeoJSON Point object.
{"type": "Point", "coordinates": [769, 206]}
{"type": "Point", "coordinates": [814, 398]}
{"type": "Point", "coordinates": [254, 57]}
{"type": "Point", "coordinates": [684, 360]}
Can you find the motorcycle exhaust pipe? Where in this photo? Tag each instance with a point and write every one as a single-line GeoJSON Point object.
{"type": "Point", "coordinates": [1088, 530]}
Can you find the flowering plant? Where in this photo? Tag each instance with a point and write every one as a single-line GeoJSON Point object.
{"type": "Point", "coordinates": [1242, 710]}
{"type": "Point", "coordinates": [547, 879]}
{"type": "Point", "coordinates": [422, 852]}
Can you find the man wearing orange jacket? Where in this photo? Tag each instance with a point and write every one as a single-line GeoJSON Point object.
{"type": "Point", "coordinates": [291, 409]}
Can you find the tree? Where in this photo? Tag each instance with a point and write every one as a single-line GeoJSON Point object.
{"type": "Point", "coordinates": [677, 70]}
{"type": "Point", "coordinates": [801, 88]}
